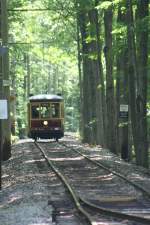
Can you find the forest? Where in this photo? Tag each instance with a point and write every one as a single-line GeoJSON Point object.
{"type": "Point", "coordinates": [95, 53]}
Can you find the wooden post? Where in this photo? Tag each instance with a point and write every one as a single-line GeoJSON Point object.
{"type": "Point", "coordinates": [1, 80]}
{"type": "Point", "coordinates": [6, 83]}
{"type": "Point", "coordinates": [1, 136]}
{"type": "Point", "coordinates": [124, 129]}
{"type": "Point", "coordinates": [3, 115]}
{"type": "Point", "coordinates": [0, 154]}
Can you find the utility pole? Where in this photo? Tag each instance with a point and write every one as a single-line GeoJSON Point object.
{"type": "Point", "coordinates": [1, 93]}
{"type": "Point", "coordinates": [1, 86]}
{"type": "Point", "coordinates": [4, 84]}
{"type": "Point", "coordinates": [0, 160]}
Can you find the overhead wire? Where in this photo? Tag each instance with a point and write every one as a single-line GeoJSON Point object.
{"type": "Point", "coordinates": [28, 10]}
{"type": "Point", "coordinates": [28, 43]}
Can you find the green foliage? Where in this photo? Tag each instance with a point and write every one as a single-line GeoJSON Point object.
{"type": "Point", "coordinates": [142, 24]}
{"type": "Point", "coordinates": [120, 31]}
{"type": "Point", "coordinates": [49, 41]}
{"type": "Point", "coordinates": [105, 5]}
{"type": "Point", "coordinates": [120, 38]}
{"type": "Point", "coordinates": [15, 3]}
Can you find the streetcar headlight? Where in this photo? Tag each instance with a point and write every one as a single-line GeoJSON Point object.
{"type": "Point", "coordinates": [45, 123]}
{"type": "Point", "coordinates": [56, 128]}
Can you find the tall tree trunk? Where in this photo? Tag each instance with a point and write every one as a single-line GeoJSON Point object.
{"type": "Point", "coordinates": [96, 76]}
{"type": "Point", "coordinates": [132, 76]}
{"type": "Point", "coordinates": [138, 82]}
{"type": "Point", "coordinates": [92, 80]}
{"type": "Point", "coordinates": [86, 111]}
{"type": "Point", "coordinates": [131, 68]}
{"type": "Point", "coordinates": [89, 87]}
{"type": "Point", "coordinates": [101, 86]}
{"type": "Point", "coordinates": [125, 153]}
{"type": "Point", "coordinates": [111, 131]}
{"type": "Point", "coordinates": [80, 76]}
{"type": "Point", "coordinates": [141, 101]}
{"type": "Point", "coordinates": [122, 93]}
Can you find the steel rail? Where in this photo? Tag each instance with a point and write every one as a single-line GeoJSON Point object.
{"type": "Point", "coordinates": [115, 213]}
{"type": "Point", "coordinates": [71, 191]}
{"type": "Point", "coordinates": [81, 202]}
{"type": "Point", "coordinates": [111, 171]}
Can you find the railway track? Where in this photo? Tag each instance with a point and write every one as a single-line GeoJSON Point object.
{"type": "Point", "coordinates": [101, 195]}
{"type": "Point", "coordinates": [103, 166]}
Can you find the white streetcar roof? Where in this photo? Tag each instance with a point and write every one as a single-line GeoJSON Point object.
{"type": "Point", "coordinates": [45, 97]}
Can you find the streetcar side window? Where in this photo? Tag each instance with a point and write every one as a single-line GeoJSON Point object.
{"type": "Point", "coordinates": [55, 110]}
{"type": "Point", "coordinates": [35, 111]}
{"type": "Point", "coordinates": [62, 110]}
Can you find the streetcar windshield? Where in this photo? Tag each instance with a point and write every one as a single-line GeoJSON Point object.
{"type": "Point", "coordinates": [45, 110]}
